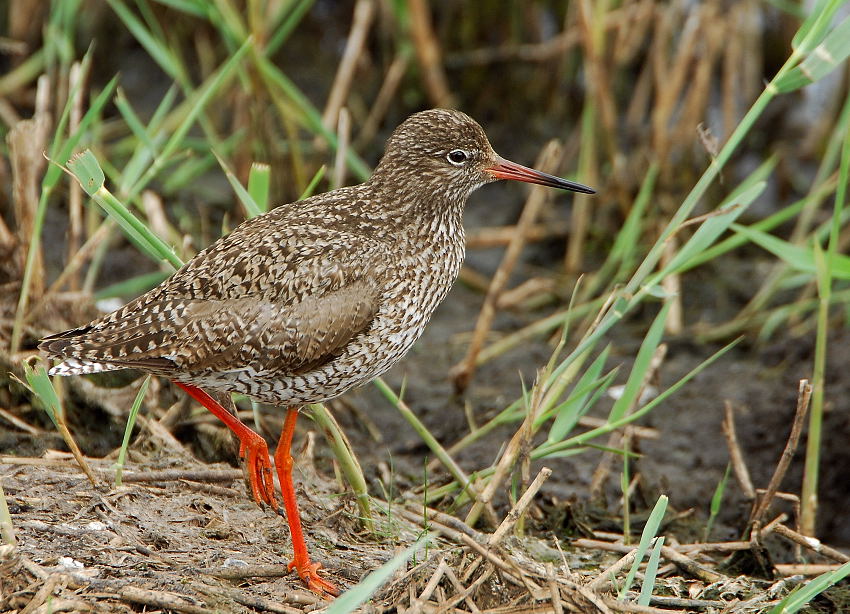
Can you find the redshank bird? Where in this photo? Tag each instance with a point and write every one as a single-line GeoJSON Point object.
{"type": "Point", "coordinates": [300, 304]}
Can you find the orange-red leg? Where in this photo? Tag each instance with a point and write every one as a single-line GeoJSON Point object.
{"type": "Point", "coordinates": [252, 448]}
{"type": "Point", "coordinates": [308, 571]}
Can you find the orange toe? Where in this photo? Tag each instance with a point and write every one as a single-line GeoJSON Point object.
{"type": "Point", "coordinates": [309, 573]}
{"type": "Point", "coordinates": [259, 467]}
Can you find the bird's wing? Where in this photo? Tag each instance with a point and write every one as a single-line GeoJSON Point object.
{"type": "Point", "coordinates": [278, 280]}
{"type": "Point", "coordinates": [202, 336]}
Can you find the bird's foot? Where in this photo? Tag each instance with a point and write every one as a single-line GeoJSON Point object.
{"type": "Point", "coordinates": [309, 573]}
{"type": "Point", "coordinates": [254, 449]}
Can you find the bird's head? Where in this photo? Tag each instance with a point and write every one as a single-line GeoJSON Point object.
{"type": "Point", "coordinates": [448, 151]}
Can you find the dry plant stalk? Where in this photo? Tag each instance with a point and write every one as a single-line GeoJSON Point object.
{"type": "Point", "coordinates": [804, 395]}
{"type": "Point", "coordinates": [27, 142]}
{"type": "Point", "coordinates": [519, 509]}
{"type": "Point", "coordinates": [428, 53]}
{"type": "Point", "coordinates": [382, 101]}
{"type": "Point", "coordinates": [736, 456]}
{"type": "Point", "coordinates": [364, 10]}
{"type": "Point", "coordinates": [76, 78]}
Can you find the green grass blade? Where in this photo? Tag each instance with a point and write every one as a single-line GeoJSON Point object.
{"type": "Point", "coordinates": [128, 429]}
{"type": "Point", "coordinates": [716, 502]}
{"type": "Point", "coordinates": [357, 595]}
{"type": "Point", "coordinates": [569, 412]}
{"type": "Point", "coordinates": [198, 8]}
{"type": "Point", "coordinates": [650, 531]}
{"type": "Point", "coordinates": [131, 287]}
{"type": "Point", "coordinates": [799, 258]}
{"type": "Point", "coordinates": [198, 102]}
{"type": "Point", "coordinates": [158, 51]}
{"type": "Point", "coordinates": [42, 387]}
{"type": "Point", "coordinates": [814, 27]}
{"type": "Point", "coordinates": [344, 454]}
{"type": "Point", "coordinates": [544, 450]}
{"type": "Point", "coordinates": [825, 58]}
{"type": "Point", "coordinates": [87, 171]}
{"type": "Point", "coordinates": [311, 117]}
{"type": "Point", "coordinates": [651, 572]}
{"type": "Point", "coordinates": [637, 375]}
{"type": "Point", "coordinates": [286, 27]}
{"type": "Point", "coordinates": [314, 182]}
{"type": "Point", "coordinates": [709, 231]}
{"type": "Point", "coordinates": [803, 595]}
{"type": "Point", "coordinates": [828, 265]}
{"type": "Point", "coordinates": [252, 209]}
{"type": "Point", "coordinates": [51, 178]}
{"type": "Point", "coordinates": [259, 184]}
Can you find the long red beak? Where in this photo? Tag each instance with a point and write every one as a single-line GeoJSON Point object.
{"type": "Point", "coordinates": [505, 169]}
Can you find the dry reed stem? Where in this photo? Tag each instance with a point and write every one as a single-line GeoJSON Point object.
{"type": "Point", "coordinates": [519, 508]}
{"type": "Point", "coordinates": [462, 373]}
{"type": "Point", "coordinates": [591, 16]}
{"type": "Point", "coordinates": [343, 132]}
{"type": "Point", "coordinates": [804, 569]}
{"type": "Point", "coordinates": [526, 291]}
{"type": "Point", "coordinates": [633, 608]}
{"type": "Point", "coordinates": [631, 17]}
{"type": "Point", "coordinates": [463, 593]}
{"type": "Point", "coordinates": [158, 219]}
{"type": "Point", "coordinates": [683, 562]}
{"type": "Point", "coordinates": [364, 11]}
{"type": "Point", "coordinates": [736, 456]}
{"type": "Point", "coordinates": [609, 574]}
{"type": "Point", "coordinates": [554, 589]}
{"type": "Point", "coordinates": [430, 586]}
{"type": "Point", "coordinates": [811, 543]}
{"type": "Point", "coordinates": [804, 395]}
{"type": "Point", "coordinates": [499, 236]}
{"type": "Point", "coordinates": [27, 141]}
{"type": "Point", "coordinates": [452, 522]}
{"type": "Point", "coordinates": [227, 594]}
{"type": "Point", "coordinates": [518, 446]}
{"type": "Point", "coordinates": [76, 79]}
{"type": "Point", "coordinates": [378, 109]}
{"type": "Point", "coordinates": [672, 285]}
{"type": "Point", "coordinates": [428, 54]}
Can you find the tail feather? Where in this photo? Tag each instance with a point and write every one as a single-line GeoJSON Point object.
{"type": "Point", "coordinates": [74, 366]}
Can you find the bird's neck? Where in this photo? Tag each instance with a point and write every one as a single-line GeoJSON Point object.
{"type": "Point", "coordinates": [422, 205]}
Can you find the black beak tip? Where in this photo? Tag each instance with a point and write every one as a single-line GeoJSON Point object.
{"type": "Point", "coordinates": [582, 189]}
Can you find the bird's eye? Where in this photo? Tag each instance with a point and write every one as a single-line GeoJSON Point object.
{"type": "Point", "coordinates": [457, 157]}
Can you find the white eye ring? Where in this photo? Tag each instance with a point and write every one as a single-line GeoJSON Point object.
{"type": "Point", "coordinates": [457, 157]}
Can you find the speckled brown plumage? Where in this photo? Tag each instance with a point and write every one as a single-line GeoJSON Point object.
{"type": "Point", "coordinates": [302, 303]}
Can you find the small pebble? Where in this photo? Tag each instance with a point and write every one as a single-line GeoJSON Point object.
{"type": "Point", "coordinates": [234, 563]}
